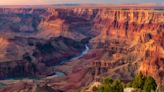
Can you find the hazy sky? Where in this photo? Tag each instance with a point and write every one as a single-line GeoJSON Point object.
{"type": "Point", "coordinates": [33, 2]}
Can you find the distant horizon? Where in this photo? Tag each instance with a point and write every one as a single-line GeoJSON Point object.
{"type": "Point", "coordinates": [84, 4]}
{"type": "Point", "coordinates": [56, 2]}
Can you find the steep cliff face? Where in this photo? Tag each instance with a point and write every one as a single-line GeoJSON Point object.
{"type": "Point", "coordinates": [57, 50]}
{"type": "Point", "coordinates": [4, 44]}
{"type": "Point", "coordinates": [138, 33]}
{"type": "Point", "coordinates": [47, 23]}
{"type": "Point", "coordinates": [11, 50]}
{"type": "Point", "coordinates": [44, 37]}
{"type": "Point", "coordinates": [29, 86]}
{"type": "Point", "coordinates": [18, 69]}
{"type": "Point", "coordinates": [71, 23]}
{"type": "Point", "coordinates": [130, 39]}
{"type": "Point", "coordinates": [18, 22]}
{"type": "Point", "coordinates": [153, 63]}
{"type": "Point", "coordinates": [31, 55]}
{"type": "Point", "coordinates": [126, 24]}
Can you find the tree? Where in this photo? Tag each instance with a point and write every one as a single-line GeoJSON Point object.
{"type": "Point", "coordinates": [108, 80]}
{"type": "Point", "coordinates": [149, 84]}
{"type": "Point", "coordinates": [101, 89]}
{"type": "Point", "coordinates": [138, 81]}
{"type": "Point", "coordinates": [110, 85]}
{"type": "Point", "coordinates": [129, 84]}
{"type": "Point", "coordinates": [107, 85]}
{"type": "Point", "coordinates": [108, 88]}
{"type": "Point", "coordinates": [105, 88]}
{"type": "Point", "coordinates": [117, 86]}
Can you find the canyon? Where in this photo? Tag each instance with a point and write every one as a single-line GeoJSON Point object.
{"type": "Point", "coordinates": [34, 42]}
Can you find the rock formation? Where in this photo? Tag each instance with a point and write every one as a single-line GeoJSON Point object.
{"type": "Point", "coordinates": [130, 40]}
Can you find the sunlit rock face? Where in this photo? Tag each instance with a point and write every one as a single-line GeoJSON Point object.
{"type": "Point", "coordinates": [129, 38]}
{"type": "Point", "coordinates": [141, 32]}
{"type": "Point", "coordinates": [38, 38]}
{"type": "Point", "coordinates": [10, 50]}
{"type": "Point", "coordinates": [47, 23]}
{"type": "Point", "coordinates": [66, 22]}
{"type": "Point", "coordinates": [126, 24]}
{"type": "Point", "coordinates": [26, 24]}
{"type": "Point", "coordinates": [153, 63]}
{"type": "Point", "coordinates": [3, 46]}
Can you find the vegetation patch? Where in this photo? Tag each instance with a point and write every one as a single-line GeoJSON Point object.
{"type": "Point", "coordinates": [140, 83]}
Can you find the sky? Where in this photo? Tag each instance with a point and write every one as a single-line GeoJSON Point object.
{"type": "Point", "coordinates": [41, 2]}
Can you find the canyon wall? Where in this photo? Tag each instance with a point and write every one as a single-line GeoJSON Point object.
{"type": "Point", "coordinates": [127, 37]}
{"type": "Point", "coordinates": [127, 24]}
{"type": "Point", "coordinates": [141, 32]}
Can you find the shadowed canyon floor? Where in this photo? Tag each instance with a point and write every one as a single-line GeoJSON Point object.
{"type": "Point", "coordinates": [59, 49]}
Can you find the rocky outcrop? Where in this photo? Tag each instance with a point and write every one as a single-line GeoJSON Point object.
{"type": "Point", "coordinates": [29, 86]}
{"type": "Point", "coordinates": [130, 39]}
{"type": "Point", "coordinates": [47, 23]}
{"type": "Point", "coordinates": [134, 33]}
{"type": "Point", "coordinates": [126, 24]}
{"type": "Point", "coordinates": [4, 44]}
{"type": "Point", "coordinates": [38, 54]}
{"type": "Point", "coordinates": [57, 50]}
{"type": "Point", "coordinates": [153, 63]}
{"type": "Point", "coordinates": [17, 69]}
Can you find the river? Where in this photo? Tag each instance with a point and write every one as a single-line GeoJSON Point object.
{"type": "Point", "coordinates": [78, 56]}
{"type": "Point", "coordinates": [2, 85]}
{"type": "Point", "coordinates": [61, 74]}
{"type": "Point", "coordinates": [57, 73]}
{"type": "Point", "coordinates": [82, 54]}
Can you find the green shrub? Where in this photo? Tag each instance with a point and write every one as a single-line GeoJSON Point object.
{"type": "Point", "coordinates": [138, 81]}
{"type": "Point", "coordinates": [110, 85]}
{"type": "Point", "coordinates": [108, 80]}
{"type": "Point", "coordinates": [150, 84]}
